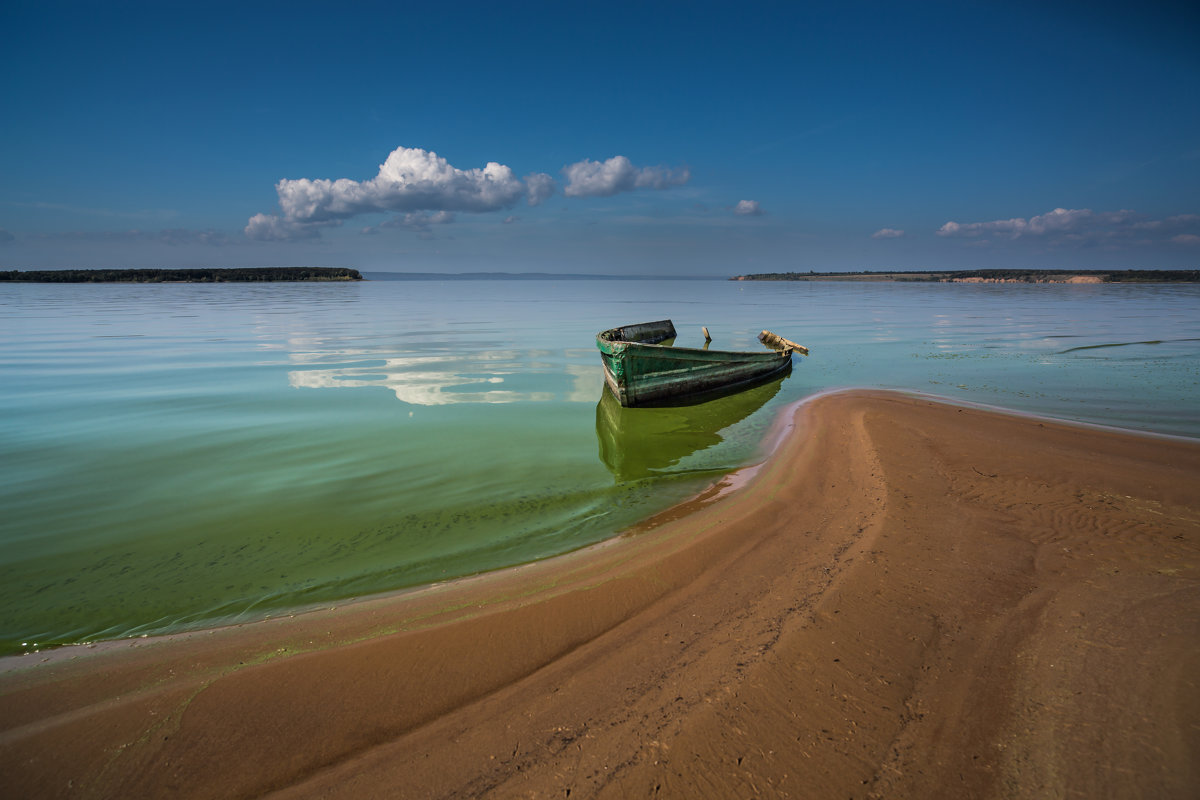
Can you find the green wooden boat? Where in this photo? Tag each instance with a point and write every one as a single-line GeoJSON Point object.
{"type": "Point", "coordinates": [642, 368]}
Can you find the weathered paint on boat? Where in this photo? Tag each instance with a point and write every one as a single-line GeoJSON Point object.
{"type": "Point", "coordinates": [641, 370]}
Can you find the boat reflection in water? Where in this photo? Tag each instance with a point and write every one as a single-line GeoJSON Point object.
{"type": "Point", "coordinates": [639, 442]}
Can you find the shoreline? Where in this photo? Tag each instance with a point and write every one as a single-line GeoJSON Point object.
{"type": "Point", "coordinates": [992, 276]}
{"type": "Point", "coordinates": [910, 566]}
{"type": "Point", "coordinates": [778, 431]}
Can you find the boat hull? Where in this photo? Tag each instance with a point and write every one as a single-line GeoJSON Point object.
{"type": "Point", "coordinates": [645, 372]}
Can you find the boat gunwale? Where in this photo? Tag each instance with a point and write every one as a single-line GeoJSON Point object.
{"type": "Point", "coordinates": [754, 355]}
{"type": "Point", "coordinates": [603, 339]}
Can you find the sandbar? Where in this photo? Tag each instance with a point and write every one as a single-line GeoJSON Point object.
{"type": "Point", "coordinates": [908, 599]}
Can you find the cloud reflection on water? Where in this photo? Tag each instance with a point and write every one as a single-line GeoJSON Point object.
{"type": "Point", "coordinates": [433, 380]}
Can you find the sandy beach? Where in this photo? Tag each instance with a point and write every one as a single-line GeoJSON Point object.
{"type": "Point", "coordinates": [909, 599]}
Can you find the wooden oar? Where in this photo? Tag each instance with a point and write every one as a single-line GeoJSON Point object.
{"type": "Point", "coordinates": [780, 343]}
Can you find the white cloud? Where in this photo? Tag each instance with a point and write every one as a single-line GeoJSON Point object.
{"type": "Point", "coordinates": [540, 187]}
{"type": "Point", "coordinates": [270, 228]}
{"type": "Point", "coordinates": [1004, 227]}
{"type": "Point", "coordinates": [1063, 220]}
{"type": "Point", "coordinates": [748, 208]}
{"type": "Point", "coordinates": [618, 174]}
{"type": "Point", "coordinates": [1072, 222]}
{"type": "Point", "coordinates": [1083, 227]}
{"type": "Point", "coordinates": [887, 233]}
{"type": "Point", "coordinates": [410, 180]}
{"type": "Point", "coordinates": [415, 181]}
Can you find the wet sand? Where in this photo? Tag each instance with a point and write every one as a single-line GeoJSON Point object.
{"type": "Point", "coordinates": [908, 600]}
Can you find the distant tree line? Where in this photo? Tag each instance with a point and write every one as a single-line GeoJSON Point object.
{"type": "Point", "coordinates": [1105, 275]}
{"type": "Point", "coordinates": [230, 275]}
{"type": "Point", "coordinates": [1022, 275]}
{"type": "Point", "coordinates": [1153, 276]}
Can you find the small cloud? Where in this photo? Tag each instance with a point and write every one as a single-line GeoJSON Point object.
{"type": "Point", "coordinates": [887, 233]}
{"type": "Point", "coordinates": [618, 174]}
{"type": "Point", "coordinates": [1082, 227]}
{"type": "Point", "coordinates": [1060, 221]}
{"type": "Point", "coordinates": [178, 236]}
{"type": "Point", "coordinates": [5, 236]}
{"type": "Point", "coordinates": [748, 208]}
{"type": "Point", "coordinates": [271, 228]}
{"type": "Point", "coordinates": [539, 187]}
{"type": "Point", "coordinates": [1009, 227]}
{"type": "Point", "coordinates": [511, 218]}
{"type": "Point", "coordinates": [414, 221]}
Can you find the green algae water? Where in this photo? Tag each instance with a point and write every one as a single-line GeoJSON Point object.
{"type": "Point", "coordinates": [177, 456]}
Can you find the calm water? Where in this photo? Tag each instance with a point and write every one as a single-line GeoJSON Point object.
{"type": "Point", "coordinates": [181, 455]}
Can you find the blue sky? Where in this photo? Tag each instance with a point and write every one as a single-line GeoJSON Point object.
{"type": "Point", "coordinates": [624, 138]}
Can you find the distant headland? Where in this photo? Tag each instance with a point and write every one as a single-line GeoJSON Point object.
{"type": "Point", "coordinates": [992, 276]}
{"type": "Point", "coordinates": [230, 275]}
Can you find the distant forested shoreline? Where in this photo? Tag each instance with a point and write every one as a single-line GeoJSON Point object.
{"type": "Point", "coordinates": [992, 276]}
{"type": "Point", "coordinates": [225, 275]}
